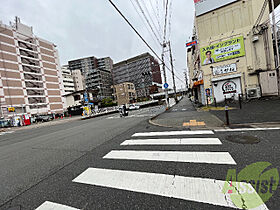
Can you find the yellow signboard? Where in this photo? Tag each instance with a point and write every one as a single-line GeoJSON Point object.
{"type": "Point", "coordinates": [229, 49]}
{"type": "Point", "coordinates": [11, 109]}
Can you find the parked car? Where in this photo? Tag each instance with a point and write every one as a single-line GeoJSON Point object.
{"type": "Point", "coordinates": [5, 123]}
{"type": "Point", "coordinates": [44, 118]}
{"type": "Point", "coordinates": [133, 107]}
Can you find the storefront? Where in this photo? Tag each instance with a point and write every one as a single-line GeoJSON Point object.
{"type": "Point", "coordinates": [227, 87]}
{"type": "Point", "coordinates": [198, 91]}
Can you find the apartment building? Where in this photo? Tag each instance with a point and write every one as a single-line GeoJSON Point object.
{"type": "Point", "coordinates": [30, 74]}
{"type": "Point", "coordinates": [143, 71]}
{"type": "Point", "coordinates": [78, 79]}
{"type": "Point", "coordinates": [101, 80]}
{"type": "Point", "coordinates": [124, 93]}
{"type": "Point", "coordinates": [92, 72]}
{"type": "Point", "coordinates": [68, 82]}
{"type": "Point", "coordinates": [232, 52]}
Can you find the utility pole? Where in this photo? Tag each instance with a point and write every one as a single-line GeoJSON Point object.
{"type": "Point", "coordinates": [172, 69]}
{"type": "Point", "coordinates": [164, 74]}
{"type": "Point", "coordinates": [275, 33]}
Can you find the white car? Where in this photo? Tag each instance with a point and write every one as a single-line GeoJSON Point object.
{"type": "Point", "coordinates": [133, 107]}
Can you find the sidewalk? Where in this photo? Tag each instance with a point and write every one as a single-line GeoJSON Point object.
{"type": "Point", "coordinates": [184, 115]}
{"type": "Point", "coordinates": [257, 111]}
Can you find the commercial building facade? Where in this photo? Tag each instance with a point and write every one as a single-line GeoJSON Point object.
{"type": "Point", "coordinates": [124, 93]}
{"type": "Point", "coordinates": [30, 73]}
{"type": "Point", "coordinates": [234, 51]}
{"type": "Point", "coordinates": [143, 71]}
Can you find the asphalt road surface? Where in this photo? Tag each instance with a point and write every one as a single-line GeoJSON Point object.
{"type": "Point", "coordinates": [112, 163]}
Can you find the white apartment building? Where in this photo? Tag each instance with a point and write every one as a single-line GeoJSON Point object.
{"type": "Point", "coordinates": [68, 82]}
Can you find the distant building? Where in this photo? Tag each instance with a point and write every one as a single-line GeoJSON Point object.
{"type": "Point", "coordinates": [124, 93]}
{"type": "Point", "coordinates": [143, 71]}
{"type": "Point", "coordinates": [68, 82]}
{"type": "Point", "coordinates": [93, 73]}
{"type": "Point", "coordinates": [100, 79]}
{"type": "Point", "coordinates": [79, 81]}
{"type": "Point", "coordinates": [30, 74]}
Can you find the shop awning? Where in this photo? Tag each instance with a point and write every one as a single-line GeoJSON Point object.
{"type": "Point", "coordinates": [197, 83]}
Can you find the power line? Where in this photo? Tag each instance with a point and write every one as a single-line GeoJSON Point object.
{"type": "Point", "coordinates": [156, 15]}
{"type": "Point", "coordinates": [134, 29]}
{"type": "Point", "coordinates": [147, 20]}
{"type": "Point", "coordinates": [149, 15]}
{"type": "Point", "coordinates": [141, 17]}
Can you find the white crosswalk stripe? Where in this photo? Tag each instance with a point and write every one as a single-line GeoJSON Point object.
{"type": "Point", "coordinates": [174, 156]}
{"type": "Point", "coordinates": [182, 141]}
{"type": "Point", "coordinates": [187, 188]}
{"type": "Point", "coordinates": [54, 206]}
{"type": "Point", "coordinates": [7, 132]}
{"type": "Point", "coordinates": [173, 133]}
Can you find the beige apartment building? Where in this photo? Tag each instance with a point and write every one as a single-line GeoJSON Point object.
{"type": "Point", "coordinates": [30, 74]}
{"type": "Point", "coordinates": [124, 93]}
{"type": "Point", "coordinates": [234, 51]}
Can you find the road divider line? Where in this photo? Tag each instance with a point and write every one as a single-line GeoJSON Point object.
{"type": "Point", "coordinates": [177, 141]}
{"type": "Point", "coordinates": [203, 190]}
{"type": "Point", "coordinates": [245, 129]}
{"type": "Point", "coordinates": [174, 133]}
{"type": "Point", "coordinates": [54, 206]}
{"type": "Point", "coordinates": [173, 156]}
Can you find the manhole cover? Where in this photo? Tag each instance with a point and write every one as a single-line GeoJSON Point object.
{"type": "Point", "coordinates": [240, 139]}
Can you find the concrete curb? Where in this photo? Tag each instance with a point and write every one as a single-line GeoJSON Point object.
{"type": "Point", "coordinates": [165, 126]}
{"type": "Point", "coordinates": [99, 115]}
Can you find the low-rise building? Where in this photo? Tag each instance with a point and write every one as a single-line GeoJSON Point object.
{"type": "Point", "coordinates": [234, 51]}
{"type": "Point", "coordinates": [124, 93]}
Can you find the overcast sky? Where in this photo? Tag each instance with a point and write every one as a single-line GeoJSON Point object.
{"type": "Point", "coordinates": [93, 28]}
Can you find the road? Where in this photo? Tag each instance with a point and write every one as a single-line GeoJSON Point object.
{"type": "Point", "coordinates": [90, 165]}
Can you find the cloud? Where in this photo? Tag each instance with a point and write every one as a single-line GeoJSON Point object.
{"type": "Point", "coordinates": [92, 27]}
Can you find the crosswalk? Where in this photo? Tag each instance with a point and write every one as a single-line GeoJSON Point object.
{"type": "Point", "coordinates": [195, 189]}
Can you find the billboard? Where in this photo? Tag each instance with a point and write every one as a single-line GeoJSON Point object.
{"type": "Point", "coordinates": [204, 6]}
{"type": "Point", "coordinates": [229, 49]}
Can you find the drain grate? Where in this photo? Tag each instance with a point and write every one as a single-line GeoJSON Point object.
{"type": "Point", "coordinates": [243, 139]}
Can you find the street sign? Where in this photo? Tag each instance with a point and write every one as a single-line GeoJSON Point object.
{"type": "Point", "coordinates": [86, 97]}
{"type": "Point", "coordinates": [165, 85]}
{"type": "Point", "coordinates": [11, 109]}
{"type": "Point", "coordinates": [192, 43]}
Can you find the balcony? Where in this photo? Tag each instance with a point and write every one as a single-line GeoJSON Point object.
{"type": "Point", "coordinates": [27, 46]}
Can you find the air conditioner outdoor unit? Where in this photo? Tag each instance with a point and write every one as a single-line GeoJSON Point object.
{"type": "Point", "coordinates": [254, 92]}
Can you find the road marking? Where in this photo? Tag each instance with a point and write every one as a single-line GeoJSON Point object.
{"type": "Point", "coordinates": [173, 156]}
{"type": "Point", "coordinates": [245, 129]}
{"type": "Point", "coordinates": [195, 189]}
{"type": "Point", "coordinates": [188, 141]}
{"type": "Point", "coordinates": [174, 133]}
{"type": "Point", "coordinates": [130, 116]}
{"type": "Point", "coordinates": [54, 206]}
{"type": "Point", "coordinates": [6, 132]}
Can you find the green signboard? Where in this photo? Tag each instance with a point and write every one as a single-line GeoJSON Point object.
{"type": "Point", "coordinates": [221, 51]}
